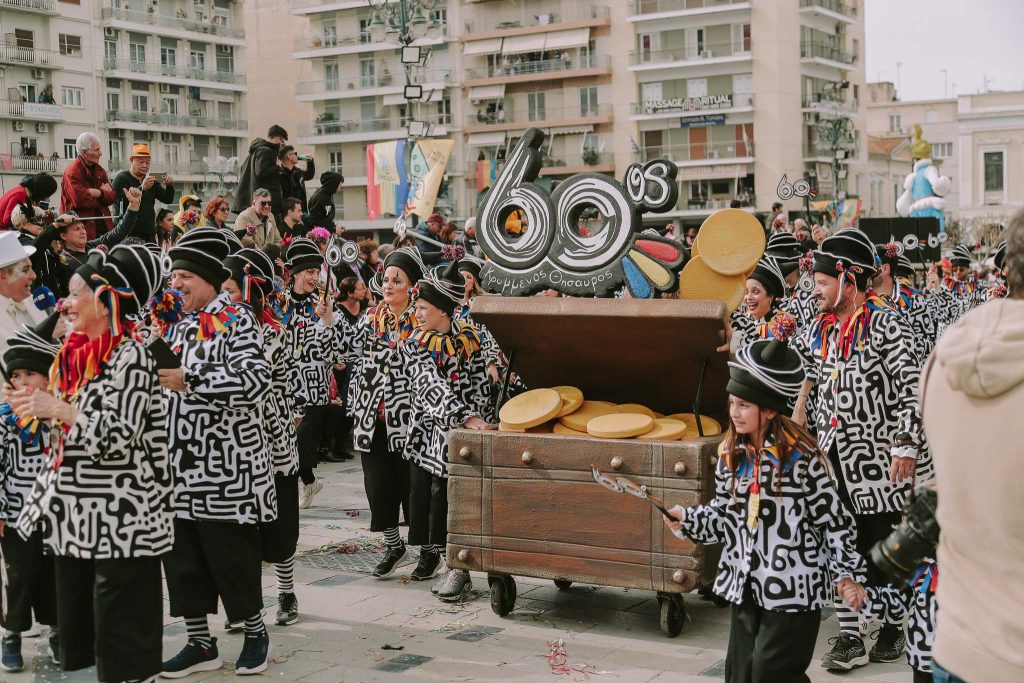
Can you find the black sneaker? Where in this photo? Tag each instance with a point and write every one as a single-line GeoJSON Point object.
{"type": "Point", "coordinates": [192, 658]}
{"type": "Point", "coordinates": [847, 653]}
{"type": "Point", "coordinates": [889, 645]}
{"type": "Point", "coordinates": [10, 653]}
{"type": "Point", "coordinates": [287, 609]}
{"type": "Point", "coordinates": [234, 626]}
{"type": "Point", "coordinates": [428, 566]}
{"type": "Point", "coordinates": [55, 654]}
{"type": "Point", "coordinates": [392, 556]}
{"type": "Point", "coordinates": [255, 654]}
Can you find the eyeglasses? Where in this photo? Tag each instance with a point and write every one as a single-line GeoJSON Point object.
{"type": "Point", "coordinates": [224, 209]}
{"type": "Point", "coordinates": [263, 204]}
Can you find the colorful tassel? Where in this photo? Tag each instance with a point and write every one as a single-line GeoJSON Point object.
{"type": "Point", "coordinates": [854, 334]}
{"type": "Point", "coordinates": [113, 301]}
{"type": "Point", "coordinates": [212, 324]}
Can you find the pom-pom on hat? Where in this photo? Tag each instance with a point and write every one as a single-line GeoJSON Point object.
{"type": "Point", "coordinates": [303, 254]}
{"type": "Point", "coordinates": [767, 373]}
{"type": "Point", "coordinates": [124, 279]}
{"type": "Point", "coordinates": [251, 269]}
{"type": "Point", "coordinates": [961, 255]}
{"type": "Point", "coordinates": [202, 251]}
{"type": "Point", "coordinates": [444, 287]}
{"type": "Point", "coordinates": [33, 348]}
{"type": "Point", "coordinates": [889, 253]}
{"type": "Point", "coordinates": [408, 260]}
{"type": "Point", "coordinates": [768, 273]}
{"type": "Point", "coordinates": [999, 258]}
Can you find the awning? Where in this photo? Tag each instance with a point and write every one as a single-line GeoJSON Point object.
{"type": "Point", "coordinates": [562, 40]}
{"type": "Point", "coordinates": [487, 92]}
{"type": "Point", "coordinates": [569, 130]}
{"type": "Point", "coordinates": [488, 46]}
{"type": "Point", "coordinates": [486, 139]}
{"type": "Point", "coordinates": [519, 44]}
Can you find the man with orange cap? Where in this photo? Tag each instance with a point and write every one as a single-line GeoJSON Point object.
{"type": "Point", "coordinates": [152, 190]}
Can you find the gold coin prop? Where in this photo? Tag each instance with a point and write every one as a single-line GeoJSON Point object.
{"type": "Point", "coordinates": [587, 411]}
{"type": "Point", "coordinates": [698, 281]}
{"type": "Point", "coordinates": [731, 241]}
{"type": "Point", "coordinates": [634, 408]}
{"type": "Point", "coordinates": [710, 424]}
{"type": "Point", "coordinates": [620, 425]}
{"type": "Point", "coordinates": [572, 398]}
{"type": "Point", "coordinates": [502, 427]}
{"type": "Point", "coordinates": [560, 429]}
{"type": "Point", "coordinates": [665, 430]}
{"type": "Point", "coordinates": [530, 408]}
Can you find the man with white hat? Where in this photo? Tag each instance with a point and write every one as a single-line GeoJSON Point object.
{"type": "Point", "coordinates": [16, 277]}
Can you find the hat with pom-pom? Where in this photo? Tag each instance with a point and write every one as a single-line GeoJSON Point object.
{"type": "Point", "coordinates": [444, 287]}
{"type": "Point", "coordinates": [767, 372]}
{"type": "Point", "coordinates": [769, 274]}
{"type": "Point", "coordinates": [961, 255]}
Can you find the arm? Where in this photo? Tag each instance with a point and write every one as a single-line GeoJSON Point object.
{"type": "Point", "coordinates": [164, 193]}
{"type": "Point", "coordinates": [834, 522]}
{"type": "Point", "coordinates": [904, 370]}
{"type": "Point", "coordinates": [74, 183]}
{"type": "Point", "coordinates": [904, 201]}
{"type": "Point", "coordinates": [264, 166]}
{"type": "Point", "coordinates": [941, 185]}
{"type": "Point", "coordinates": [239, 382]}
{"type": "Point", "coordinates": [706, 523]}
{"type": "Point", "coordinates": [125, 225]}
{"type": "Point", "coordinates": [310, 171]}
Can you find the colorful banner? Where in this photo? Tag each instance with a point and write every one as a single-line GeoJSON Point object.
{"type": "Point", "coordinates": [429, 160]}
{"type": "Point", "coordinates": [486, 172]}
{"type": "Point", "coordinates": [846, 214]}
{"type": "Point", "coordinates": [387, 179]}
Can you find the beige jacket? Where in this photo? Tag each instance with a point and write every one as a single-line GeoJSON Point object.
{"type": "Point", "coordinates": [268, 234]}
{"type": "Point", "coordinates": [972, 393]}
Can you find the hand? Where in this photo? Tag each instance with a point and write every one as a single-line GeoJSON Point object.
{"type": "Point", "coordinates": [932, 279]}
{"type": "Point", "coordinates": [492, 373]}
{"type": "Point", "coordinates": [279, 263]}
{"type": "Point", "coordinates": [476, 423]}
{"type": "Point", "coordinates": [173, 379]}
{"type": "Point", "coordinates": [800, 411]}
{"type": "Point", "coordinates": [340, 366]}
{"type": "Point", "coordinates": [297, 421]}
{"type": "Point", "coordinates": [336, 401]}
{"type": "Point", "coordinates": [901, 468]}
{"type": "Point", "coordinates": [1, 528]}
{"type": "Point", "coordinates": [339, 230]}
{"type": "Point", "coordinates": [674, 522]}
{"type": "Point", "coordinates": [853, 593]}
{"type": "Point", "coordinates": [724, 348]}
{"type": "Point", "coordinates": [40, 404]}
{"type": "Point", "coordinates": [134, 196]}
{"type": "Point", "coordinates": [61, 328]}
{"type": "Point", "coordinates": [93, 192]}
{"type": "Point", "coordinates": [148, 182]}
{"type": "Point", "coordinates": [818, 234]}
{"type": "Point", "coordinates": [105, 187]}
{"type": "Point", "coordinates": [168, 180]}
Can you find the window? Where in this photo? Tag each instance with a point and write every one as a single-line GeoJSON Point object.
{"type": "Point", "coordinates": [225, 60]}
{"type": "Point", "coordinates": [588, 101]}
{"type": "Point", "coordinates": [439, 17]}
{"type": "Point", "coordinates": [24, 38]}
{"type": "Point", "coordinates": [535, 106]}
{"type": "Point", "coordinates": [993, 162]}
{"type": "Point", "coordinates": [29, 146]}
{"type": "Point", "coordinates": [110, 50]}
{"type": "Point", "coordinates": [113, 101]}
{"type": "Point", "coordinates": [116, 146]}
{"type": "Point", "coordinates": [364, 30]}
{"type": "Point", "coordinates": [721, 187]}
{"type": "Point", "coordinates": [71, 97]}
{"type": "Point", "coordinates": [70, 148]}
{"type": "Point", "coordinates": [140, 103]}
{"type": "Point", "coordinates": [331, 34]}
{"type": "Point", "coordinates": [198, 59]}
{"type": "Point", "coordinates": [895, 123]}
{"type": "Point", "coordinates": [169, 105]}
{"type": "Point", "coordinates": [366, 71]}
{"type": "Point", "coordinates": [136, 54]}
{"type": "Point", "coordinates": [70, 45]}
{"type": "Point", "coordinates": [942, 150]}
{"type": "Point", "coordinates": [334, 160]}
{"type": "Point", "coordinates": [168, 56]}
{"type": "Point", "coordinates": [170, 154]}
{"type": "Point", "coordinates": [331, 79]}
{"type": "Point", "coordinates": [28, 92]}
{"type": "Point", "coordinates": [444, 112]}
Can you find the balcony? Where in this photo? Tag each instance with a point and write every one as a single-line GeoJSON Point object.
{"type": "Point", "coordinates": [310, 46]}
{"type": "Point", "coordinates": [699, 154]}
{"type": "Point", "coordinates": [570, 164]}
{"type": "Point", "coordinates": [651, 10]}
{"type": "Point", "coordinates": [326, 132]}
{"type": "Point", "coordinates": [33, 6]}
{"type": "Point", "coordinates": [171, 26]}
{"type": "Point", "coordinates": [180, 75]}
{"type": "Point", "coordinates": [30, 56]}
{"type": "Point", "coordinates": [713, 53]}
{"type": "Point", "coordinates": [304, 7]}
{"type": "Point", "coordinates": [826, 55]}
{"type": "Point", "coordinates": [363, 86]}
{"type": "Point", "coordinates": [10, 163]}
{"type": "Point", "coordinates": [30, 111]}
{"type": "Point", "coordinates": [539, 70]}
{"type": "Point", "coordinates": [179, 170]}
{"type": "Point", "coordinates": [577, 15]}
{"type": "Point", "coordinates": [521, 117]}
{"type": "Point", "coordinates": [199, 125]}
{"type": "Point", "coordinates": [730, 103]}
{"type": "Point", "coordinates": [827, 108]}
{"type": "Point", "coordinates": [832, 9]}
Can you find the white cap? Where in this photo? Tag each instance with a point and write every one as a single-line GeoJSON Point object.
{"type": "Point", "coordinates": [11, 248]}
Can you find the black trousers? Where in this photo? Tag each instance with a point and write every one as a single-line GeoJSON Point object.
{"type": "Point", "coordinates": [428, 507]}
{"type": "Point", "coordinates": [312, 429]}
{"type": "Point", "coordinates": [212, 560]}
{"type": "Point", "coordinates": [30, 581]}
{"type": "Point", "coordinates": [110, 614]}
{"type": "Point", "coordinates": [769, 647]}
{"type": "Point", "coordinates": [278, 538]}
{"type": "Point", "coordinates": [340, 426]}
{"type": "Point", "coordinates": [386, 479]}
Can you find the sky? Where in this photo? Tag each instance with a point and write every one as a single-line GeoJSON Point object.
{"type": "Point", "coordinates": [972, 39]}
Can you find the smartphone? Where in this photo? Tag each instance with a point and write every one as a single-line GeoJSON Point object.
{"type": "Point", "coordinates": [159, 176]}
{"type": "Point", "coordinates": [165, 358]}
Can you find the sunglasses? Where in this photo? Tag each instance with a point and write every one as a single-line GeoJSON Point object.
{"type": "Point", "coordinates": [224, 209]}
{"type": "Point", "coordinates": [264, 203]}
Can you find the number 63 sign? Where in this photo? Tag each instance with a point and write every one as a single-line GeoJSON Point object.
{"type": "Point", "coordinates": [584, 238]}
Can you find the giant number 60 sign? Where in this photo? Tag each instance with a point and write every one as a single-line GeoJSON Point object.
{"type": "Point", "coordinates": [554, 250]}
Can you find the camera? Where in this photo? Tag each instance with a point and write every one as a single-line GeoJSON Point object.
{"type": "Point", "coordinates": [915, 538]}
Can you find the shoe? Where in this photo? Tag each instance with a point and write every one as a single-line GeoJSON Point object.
{"type": "Point", "coordinates": [308, 492]}
{"type": "Point", "coordinates": [331, 456]}
{"type": "Point", "coordinates": [255, 654]}
{"type": "Point", "coordinates": [192, 658]}
{"type": "Point", "coordinates": [440, 582]}
{"type": "Point", "coordinates": [55, 653]}
{"type": "Point", "coordinates": [10, 653]}
{"type": "Point", "coordinates": [287, 609]}
{"type": "Point", "coordinates": [34, 631]}
{"type": "Point", "coordinates": [234, 626]}
{"type": "Point", "coordinates": [457, 583]}
{"type": "Point", "coordinates": [889, 645]}
{"type": "Point", "coordinates": [428, 567]}
{"type": "Point", "coordinates": [847, 653]}
{"type": "Point", "coordinates": [392, 556]}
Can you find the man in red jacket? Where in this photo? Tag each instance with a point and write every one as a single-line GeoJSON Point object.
{"type": "Point", "coordinates": [85, 189]}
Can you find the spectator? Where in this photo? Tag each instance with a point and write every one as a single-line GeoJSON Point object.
{"type": "Point", "coordinates": [255, 226]}
{"type": "Point", "coordinates": [27, 195]}
{"type": "Point", "coordinates": [167, 232]}
{"type": "Point", "coordinates": [291, 224]}
{"type": "Point", "coordinates": [137, 175]}
{"type": "Point", "coordinates": [217, 212]}
{"type": "Point", "coordinates": [16, 276]}
{"type": "Point", "coordinates": [691, 237]}
{"type": "Point", "coordinates": [293, 179]}
{"type": "Point", "coordinates": [321, 204]}
{"type": "Point", "coordinates": [975, 378]}
{"type": "Point", "coordinates": [431, 229]}
{"type": "Point", "coordinates": [369, 259]}
{"type": "Point", "coordinates": [181, 219]}
{"type": "Point", "coordinates": [85, 190]}
{"type": "Point", "coordinates": [772, 223]}
{"type": "Point", "coordinates": [259, 168]}
{"type": "Point", "coordinates": [449, 232]}
{"type": "Point", "coordinates": [383, 251]}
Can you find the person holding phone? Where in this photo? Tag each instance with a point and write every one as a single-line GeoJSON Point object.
{"type": "Point", "coordinates": [154, 187]}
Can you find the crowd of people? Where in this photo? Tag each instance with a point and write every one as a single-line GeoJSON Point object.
{"type": "Point", "coordinates": [165, 418]}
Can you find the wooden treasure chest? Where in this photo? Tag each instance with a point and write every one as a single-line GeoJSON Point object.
{"type": "Point", "coordinates": [527, 503]}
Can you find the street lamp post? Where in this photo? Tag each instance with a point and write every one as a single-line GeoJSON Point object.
{"type": "Point", "coordinates": [836, 131]}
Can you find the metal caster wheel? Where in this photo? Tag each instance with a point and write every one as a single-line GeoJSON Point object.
{"type": "Point", "coordinates": [562, 584]}
{"type": "Point", "coordinates": [503, 594]}
{"type": "Point", "coordinates": [673, 613]}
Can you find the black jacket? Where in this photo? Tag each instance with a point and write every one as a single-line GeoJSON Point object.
{"type": "Point", "coordinates": [259, 169]}
{"type": "Point", "coordinates": [321, 204]}
{"type": "Point", "coordinates": [293, 182]}
{"type": "Point", "coordinates": [145, 221]}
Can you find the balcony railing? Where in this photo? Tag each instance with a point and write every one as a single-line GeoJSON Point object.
{"type": "Point", "coordinates": [177, 120]}
{"type": "Point", "coordinates": [31, 111]}
{"type": "Point", "coordinates": [657, 6]}
{"type": "Point", "coordinates": [571, 13]}
{"type": "Point", "coordinates": [154, 19]}
{"type": "Point", "coordinates": [709, 151]}
{"type": "Point", "coordinates": [832, 5]}
{"type": "Point", "coordinates": [179, 168]}
{"type": "Point", "coordinates": [695, 53]}
{"type": "Point", "coordinates": [820, 51]}
{"type": "Point", "coordinates": [576, 160]}
{"type": "Point", "coordinates": [538, 66]}
{"type": "Point", "coordinates": [31, 56]}
{"type": "Point", "coordinates": [363, 125]}
{"type": "Point", "coordinates": [382, 80]}
{"type": "Point", "coordinates": [9, 162]}
{"type": "Point", "coordinates": [693, 106]}
{"type": "Point", "coordinates": [46, 6]}
{"type": "Point", "coordinates": [322, 42]}
{"type": "Point", "coordinates": [524, 114]}
{"type": "Point", "coordinates": [174, 70]}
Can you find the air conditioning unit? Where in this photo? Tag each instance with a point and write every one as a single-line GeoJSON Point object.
{"type": "Point", "coordinates": [37, 73]}
{"type": "Point", "coordinates": [110, 32]}
{"type": "Point", "coordinates": [165, 87]}
{"type": "Point", "coordinates": [18, 126]}
{"type": "Point", "coordinates": [42, 127]}
{"type": "Point", "coordinates": [223, 49]}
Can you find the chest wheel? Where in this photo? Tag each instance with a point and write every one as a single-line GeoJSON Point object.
{"type": "Point", "coordinates": [503, 594]}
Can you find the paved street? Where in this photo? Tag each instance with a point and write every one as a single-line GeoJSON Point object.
{"type": "Point", "coordinates": [356, 628]}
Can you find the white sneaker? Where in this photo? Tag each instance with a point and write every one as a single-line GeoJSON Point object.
{"type": "Point", "coordinates": [309, 492]}
{"type": "Point", "coordinates": [34, 631]}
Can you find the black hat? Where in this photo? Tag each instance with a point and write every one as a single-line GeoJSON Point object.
{"type": "Point", "coordinates": [202, 251]}
{"type": "Point", "coordinates": [303, 254]}
{"type": "Point", "coordinates": [331, 180]}
{"type": "Point", "coordinates": [33, 348]}
{"type": "Point", "coordinates": [889, 253]}
{"type": "Point", "coordinates": [767, 373]}
{"type": "Point", "coordinates": [125, 277]}
{"type": "Point", "coordinates": [251, 268]}
{"type": "Point", "coordinates": [961, 256]}
{"type": "Point", "coordinates": [444, 286]}
{"type": "Point", "coordinates": [408, 260]}
{"type": "Point", "coordinates": [768, 273]}
{"type": "Point", "coordinates": [785, 248]}
{"type": "Point", "coordinates": [904, 266]}
{"type": "Point", "coordinates": [999, 258]}
{"type": "Point", "coordinates": [234, 244]}
{"type": "Point", "coordinates": [472, 265]}
{"type": "Point", "coordinates": [848, 252]}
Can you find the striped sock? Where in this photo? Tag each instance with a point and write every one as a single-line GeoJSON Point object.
{"type": "Point", "coordinates": [198, 630]}
{"type": "Point", "coordinates": [286, 575]}
{"type": "Point", "coordinates": [849, 621]}
{"type": "Point", "coordinates": [392, 539]}
{"type": "Point", "coordinates": [254, 625]}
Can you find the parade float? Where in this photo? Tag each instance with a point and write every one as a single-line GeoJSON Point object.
{"type": "Point", "coordinates": [627, 395]}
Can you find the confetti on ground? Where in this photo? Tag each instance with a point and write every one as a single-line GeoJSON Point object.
{"type": "Point", "coordinates": [348, 548]}
{"type": "Point", "coordinates": [452, 627]}
{"type": "Point", "coordinates": [558, 661]}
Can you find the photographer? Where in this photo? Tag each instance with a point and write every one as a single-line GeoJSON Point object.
{"type": "Point", "coordinates": [154, 187]}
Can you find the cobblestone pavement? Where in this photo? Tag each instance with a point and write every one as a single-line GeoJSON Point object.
{"type": "Point", "coordinates": [353, 627]}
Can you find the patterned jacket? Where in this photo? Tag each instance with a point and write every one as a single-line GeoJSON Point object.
{"type": "Point", "coordinates": [801, 303]}
{"type": "Point", "coordinates": [448, 373]}
{"type": "Point", "coordinates": [279, 411]}
{"type": "Point", "coordinates": [867, 380]}
{"type": "Point", "coordinates": [23, 454]}
{"type": "Point", "coordinates": [912, 304]}
{"type": "Point", "coordinates": [219, 453]}
{"type": "Point", "coordinates": [111, 497]}
{"type": "Point", "coordinates": [314, 347]}
{"type": "Point", "coordinates": [802, 543]}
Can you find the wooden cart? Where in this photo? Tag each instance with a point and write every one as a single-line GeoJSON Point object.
{"type": "Point", "coordinates": [527, 504]}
